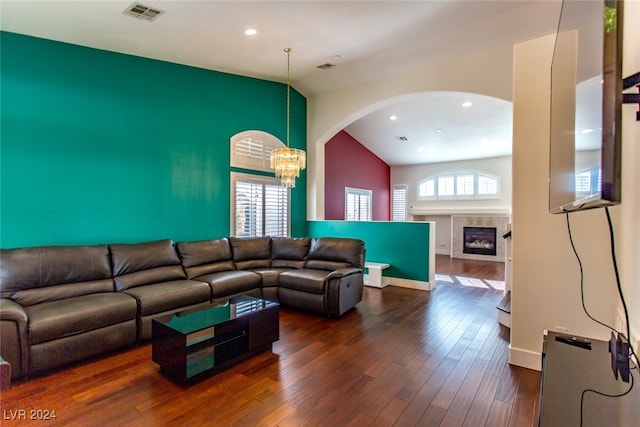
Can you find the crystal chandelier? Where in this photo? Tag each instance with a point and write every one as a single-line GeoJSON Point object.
{"type": "Point", "coordinates": [288, 162]}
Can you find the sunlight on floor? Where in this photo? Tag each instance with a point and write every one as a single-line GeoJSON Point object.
{"type": "Point", "coordinates": [471, 282]}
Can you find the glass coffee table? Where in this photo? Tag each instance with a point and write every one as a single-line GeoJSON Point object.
{"type": "Point", "coordinates": [191, 344]}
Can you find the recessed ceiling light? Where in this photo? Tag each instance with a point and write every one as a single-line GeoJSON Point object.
{"type": "Point", "coordinates": [393, 117]}
{"type": "Point", "coordinates": [439, 130]}
{"type": "Point", "coordinates": [250, 32]}
{"type": "Point", "coordinates": [467, 104]}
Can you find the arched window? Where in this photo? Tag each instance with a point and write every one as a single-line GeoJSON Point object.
{"type": "Point", "coordinates": [252, 149]}
{"type": "Point", "coordinates": [459, 185]}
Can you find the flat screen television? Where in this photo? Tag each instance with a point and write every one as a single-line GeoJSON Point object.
{"type": "Point", "coordinates": [586, 98]}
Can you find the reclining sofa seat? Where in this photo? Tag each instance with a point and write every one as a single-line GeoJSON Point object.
{"type": "Point", "coordinates": [331, 280]}
{"type": "Point", "coordinates": [59, 305]}
{"type": "Point", "coordinates": [152, 274]}
{"type": "Point", "coordinates": [287, 253]}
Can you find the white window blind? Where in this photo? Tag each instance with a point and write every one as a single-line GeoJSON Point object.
{"type": "Point", "coordinates": [260, 207]}
{"type": "Point", "coordinates": [357, 204]}
{"type": "Point", "coordinates": [446, 186]}
{"type": "Point", "coordinates": [487, 185]}
{"type": "Point", "coordinates": [399, 203]}
{"type": "Point", "coordinates": [464, 185]}
{"type": "Point", "coordinates": [252, 150]}
{"type": "Point", "coordinates": [427, 188]}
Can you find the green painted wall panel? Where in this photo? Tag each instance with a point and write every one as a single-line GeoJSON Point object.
{"type": "Point", "coordinates": [404, 245]}
{"type": "Point", "coordinates": [97, 146]}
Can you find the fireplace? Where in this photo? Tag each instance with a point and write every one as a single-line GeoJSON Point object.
{"type": "Point", "coordinates": [479, 240]}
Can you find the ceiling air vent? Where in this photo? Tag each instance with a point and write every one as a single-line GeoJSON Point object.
{"type": "Point", "coordinates": [141, 11]}
{"type": "Point", "coordinates": [326, 66]}
{"type": "Point", "coordinates": [402, 138]}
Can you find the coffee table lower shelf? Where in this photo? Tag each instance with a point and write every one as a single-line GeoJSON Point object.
{"type": "Point", "coordinates": [191, 345]}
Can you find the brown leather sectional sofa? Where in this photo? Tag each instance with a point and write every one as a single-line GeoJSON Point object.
{"type": "Point", "coordinates": [62, 304]}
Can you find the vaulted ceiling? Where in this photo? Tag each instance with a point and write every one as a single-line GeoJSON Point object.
{"type": "Point", "coordinates": [356, 41]}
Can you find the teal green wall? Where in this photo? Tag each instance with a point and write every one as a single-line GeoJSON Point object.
{"type": "Point", "coordinates": [99, 147]}
{"type": "Point", "coordinates": [404, 245]}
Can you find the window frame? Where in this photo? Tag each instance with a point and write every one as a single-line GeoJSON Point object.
{"type": "Point", "coordinates": [404, 209]}
{"type": "Point", "coordinates": [455, 176]}
{"type": "Point", "coordinates": [261, 180]}
{"type": "Point", "coordinates": [358, 192]}
{"type": "Point", "coordinates": [260, 141]}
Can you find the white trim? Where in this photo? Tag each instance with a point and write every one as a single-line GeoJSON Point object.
{"type": "Point", "coordinates": [525, 358]}
{"type": "Point", "coordinates": [410, 284]}
{"type": "Point", "coordinates": [461, 211]}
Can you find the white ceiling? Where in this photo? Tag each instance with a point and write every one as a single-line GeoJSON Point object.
{"type": "Point", "coordinates": [365, 40]}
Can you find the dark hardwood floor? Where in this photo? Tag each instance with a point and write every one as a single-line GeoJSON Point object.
{"type": "Point", "coordinates": [485, 270]}
{"type": "Point", "coordinates": [401, 358]}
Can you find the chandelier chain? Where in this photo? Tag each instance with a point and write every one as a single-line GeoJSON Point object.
{"type": "Point", "coordinates": [288, 50]}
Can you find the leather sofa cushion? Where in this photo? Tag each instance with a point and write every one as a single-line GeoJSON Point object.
{"type": "Point", "coordinates": [147, 277]}
{"type": "Point", "coordinates": [252, 252]}
{"type": "Point", "coordinates": [160, 297]}
{"type": "Point", "coordinates": [204, 252]}
{"type": "Point", "coordinates": [335, 249]}
{"type": "Point", "coordinates": [288, 248]}
{"type": "Point", "coordinates": [201, 270]}
{"type": "Point", "coordinates": [269, 275]}
{"type": "Point", "coordinates": [318, 264]}
{"type": "Point", "coordinates": [33, 268]}
{"type": "Point", "coordinates": [287, 252]}
{"type": "Point", "coordinates": [58, 292]}
{"type": "Point", "coordinates": [72, 316]}
{"type": "Point", "coordinates": [141, 264]}
{"type": "Point", "coordinates": [304, 280]}
{"type": "Point", "coordinates": [129, 258]}
{"type": "Point", "coordinates": [231, 282]}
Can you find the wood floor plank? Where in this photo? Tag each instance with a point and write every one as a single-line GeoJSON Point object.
{"type": "Point", "coordinates": [402, 358]}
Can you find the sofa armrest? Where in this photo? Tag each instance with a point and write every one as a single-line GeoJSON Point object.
{"type": "Point", "coordinates": [344, 290]}
{"type": "Point", "coordinates": [343, 272]}
{"type": "Point", "coordinates": [14, 340]}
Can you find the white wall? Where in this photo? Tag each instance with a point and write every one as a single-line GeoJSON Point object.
{"type": "Point", "coordinates": [546, 282]}
{"type": "Point", "coordinates": [627, 216]}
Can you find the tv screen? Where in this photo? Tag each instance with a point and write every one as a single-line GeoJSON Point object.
{"type": "Point", "coordinates": [586, 98]}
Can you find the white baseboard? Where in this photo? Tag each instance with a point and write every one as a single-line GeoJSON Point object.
{"type": "Point", "coordinates": [443, 252]}
{"type": "Point", "coordinates": [411, 284]}
{"type": "Point", "coordinates": [525, 358]}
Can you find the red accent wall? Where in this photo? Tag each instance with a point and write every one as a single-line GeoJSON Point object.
{"type": "Point", "coordinates": [348, 163]}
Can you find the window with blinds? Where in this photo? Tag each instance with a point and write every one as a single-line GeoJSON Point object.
{"type": "Point", "coordinates": [357, 204]}
{"type": "Point", "coordinates": [399, 203]}
{"type": "Point", "coordinates": [459, 186]}
{"type": "Point", "coordinates": [260, 206]}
